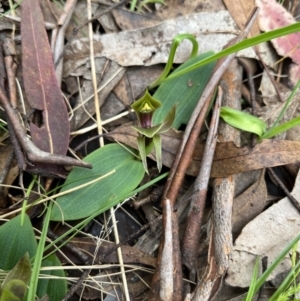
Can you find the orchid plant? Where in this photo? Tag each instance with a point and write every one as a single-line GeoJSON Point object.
{"type": "Point", "coordinates": [150, 138]}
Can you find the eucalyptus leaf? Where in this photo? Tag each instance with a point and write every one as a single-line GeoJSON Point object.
{"type": "Point", "coordinates": [243, 121]}
{"type": "Point", "coordinates": [15, 241]}
{"type": "Point", "coordinates": [55, 287]}
{"type": "Point", "coordinates": [184, 91]}
{"type": "Point", "coordinates": [106, 193]}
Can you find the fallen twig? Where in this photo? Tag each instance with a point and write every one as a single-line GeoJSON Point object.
{"type": "Point", "coordinates": [194, 220]}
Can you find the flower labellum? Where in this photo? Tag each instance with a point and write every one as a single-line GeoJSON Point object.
{"type": "Point", "coordinates": [144, 108]}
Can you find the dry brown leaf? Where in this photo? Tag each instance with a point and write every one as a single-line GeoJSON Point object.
{"type": "Point", "coordinates": [249, 204]}
{"type": "Point", "coordinates": [130, 254]}
{"type": "Point", "coordinates": [240, 11]}
{"type": "Point", "coordinates": [149, 46]}
{"type": "Point", "coordinates": [84, 106]}
{"type": "Point", "coordinates": [129, 20]}
{"type": "Point", "coordinates": [50, 128]}
{"type": "Point", "coordinates": [7, 176]}
{"type": "Point", "coordinates": [78, 19]}
{"type": "Point", "coordinates": [135, 81]}
{"type": "Point", "coordinates": [51, 12]}
{"type": "Point", "coordinates": [106, 20]}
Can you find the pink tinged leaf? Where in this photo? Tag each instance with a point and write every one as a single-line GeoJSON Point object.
{"type": "Point", "coordinates": [272, 15]}
{"type": "Point", "coordinates": [41, 86]}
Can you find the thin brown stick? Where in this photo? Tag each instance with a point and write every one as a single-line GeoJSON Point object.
{"type": "Point", "coordinates": [11, 68]}
{"type": "Point", "coordinates": [269, 75]}
{"type": "Point", "coordinates": [71, 247]}
{"type": "Point", "coordinates": [253, 102]}
{"type": "Point", "coordinates": [194, 220]}
{"type": "Point", "coordinates": [58, 39]}
{"type": "Point", "coordinates": [283, 187]}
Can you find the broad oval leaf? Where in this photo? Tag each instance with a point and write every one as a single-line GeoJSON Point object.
{"type": "Point", "coordinates": [243, 121]}
{"type": "Point", "coordinates": [54, 287]}
{"type": "Point", "coordinates": [104, 194]}
{"type": "Point", "coordinates": [184, 91]}
{"type": "Point", "coordinates": [15, 240]}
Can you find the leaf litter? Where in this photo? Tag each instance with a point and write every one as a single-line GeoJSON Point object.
{"type": "Point", "coordinates": [124, 64]}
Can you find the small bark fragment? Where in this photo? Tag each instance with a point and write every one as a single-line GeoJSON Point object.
{"type": "Point", "coordinates": [223, 188]}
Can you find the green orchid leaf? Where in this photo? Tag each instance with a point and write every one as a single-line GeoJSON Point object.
{"type": "Point", "coordinates": [16, 239]}
{"type": "Point", "coordinates": [141, 142]}
{"type": "Point", "coordinates": [281, 128]}
{"type": "Point", "coordinates": [157, 145]}
{"type": "Point", "coordinates": [149, 132]}
{"type": "Point", "coordinates": [55, 286]}
{"type": "Point", "coordinates": [266, 36]}
{"type": "Point", "coordinates": [243, 121]}
{"type": "Point", "coordinates": [121, 172]}
{"type": "Point", "coordinates": [175, 43]}
{"type": "Point", "coordinates": [184, 91]}
{"type": "Point", "coordinates": [15, 283]}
